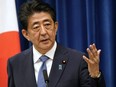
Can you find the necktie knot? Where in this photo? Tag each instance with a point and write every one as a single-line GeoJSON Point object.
{"type": "Point", "coordinates": [43, 58]}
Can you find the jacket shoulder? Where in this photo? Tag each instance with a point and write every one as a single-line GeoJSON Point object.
{"type": "Point", "coordinates": [20, 55]}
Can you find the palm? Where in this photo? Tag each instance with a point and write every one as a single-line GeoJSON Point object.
{"type": "Point", "coordinates": [93, 60]}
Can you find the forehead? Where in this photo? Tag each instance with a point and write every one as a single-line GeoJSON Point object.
{"type": "Point", "coordinates": [39, 16]}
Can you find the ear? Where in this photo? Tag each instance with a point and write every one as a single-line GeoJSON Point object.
{"type": "Point", "coordinates": [25, 34]}
{"type": "Point", "coordinates": [56, 26]}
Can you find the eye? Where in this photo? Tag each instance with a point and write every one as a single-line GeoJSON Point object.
{"type": "Point", "coordinates": [36, 28]}
{"type": "Point", "coordinates": [47, 25]}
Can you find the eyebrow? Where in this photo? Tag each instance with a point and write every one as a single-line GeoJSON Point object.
{"type": "Point", "coordinates": [35, 23]}
{"type": "Point", "coordinates": [47, 20]}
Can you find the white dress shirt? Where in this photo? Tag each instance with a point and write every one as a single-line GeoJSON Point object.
{"type": "Point", "coordinates": [38, 63]}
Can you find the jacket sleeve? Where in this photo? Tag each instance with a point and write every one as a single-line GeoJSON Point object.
{"type": "Point", "coordinates": [84, 78]}
{"type": "Point", "coordinates": [98, 82]}
{"type": "Point", "coordinates": [87, 81]}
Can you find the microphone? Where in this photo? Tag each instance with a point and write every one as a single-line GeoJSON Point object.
{"type": "Point", "coordinates": [46, 77]}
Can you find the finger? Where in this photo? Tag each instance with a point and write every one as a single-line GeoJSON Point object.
{"type": "Point", "coordinates": [90, 54]}
{"type": "Point", "coordinates": [94, 58]}
{"type": "Point", "coordinates": [97, 59]}
{"type": "Point", "coordinates": [87, 60]}
{"type": "Point", "coordinates": [93, 50]}
{"type": "Point", "coordinates": [99, 51]}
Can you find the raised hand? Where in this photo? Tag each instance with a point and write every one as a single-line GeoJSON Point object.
{"type": "Point", "coordinates": [93, 61]}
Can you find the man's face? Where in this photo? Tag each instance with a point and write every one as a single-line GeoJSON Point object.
{"type": "Point", "coordinates": [41, 31]}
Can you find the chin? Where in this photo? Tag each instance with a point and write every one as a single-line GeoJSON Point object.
{"type": "Point", "coordinates": [47, 47]}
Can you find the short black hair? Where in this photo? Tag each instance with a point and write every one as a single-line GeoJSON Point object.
{"type": "Point", "coordinates": [29, 8]}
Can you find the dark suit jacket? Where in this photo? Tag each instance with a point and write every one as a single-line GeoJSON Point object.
{"type": "Point", "coordinates": [72, 73]}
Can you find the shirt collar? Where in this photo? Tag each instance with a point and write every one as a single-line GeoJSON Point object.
{"type": "Point", "coordinates": [50, 53]}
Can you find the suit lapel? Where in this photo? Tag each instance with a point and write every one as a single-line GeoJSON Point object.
{"type": "Point", "coordinates": [58, 66]}
{"type": "Point", "coordinates": [29, 69]}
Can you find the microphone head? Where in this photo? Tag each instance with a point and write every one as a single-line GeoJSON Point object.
{"type": "Point", "coordinates": [45, 76]}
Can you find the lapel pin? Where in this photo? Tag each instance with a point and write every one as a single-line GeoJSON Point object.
{"type": "Point", "coordinates": [64, 61]}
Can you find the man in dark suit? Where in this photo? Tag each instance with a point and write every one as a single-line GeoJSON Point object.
{"type": "Point", "coordinates": [65, 67]}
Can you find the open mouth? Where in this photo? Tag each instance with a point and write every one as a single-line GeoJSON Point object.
{"type": "Point", "coordinates": [45, 40]}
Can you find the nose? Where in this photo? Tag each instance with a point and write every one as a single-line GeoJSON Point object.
{"type": "Point", "coordinates": [43, 30]}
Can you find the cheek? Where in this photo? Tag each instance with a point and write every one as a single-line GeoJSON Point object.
{"type": "Point", "coordinates": [35, 36]}
{"type": "Point", "coordinates": [53, 35]}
